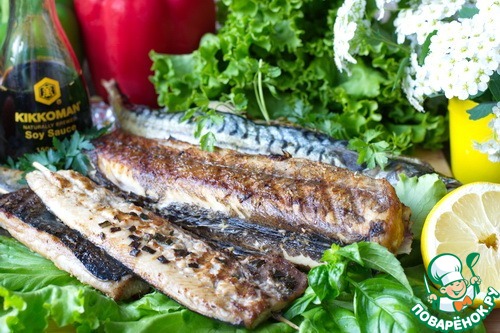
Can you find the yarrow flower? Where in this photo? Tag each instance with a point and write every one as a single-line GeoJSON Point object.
{"type": "Point", "coordinates": [349, 17]}
{"type": "Point", "coordinates": [424, 19]}
{"type": "Point", "coordinates": [453, 48]}
{"type": "Point", "coordinates": [462, 56]}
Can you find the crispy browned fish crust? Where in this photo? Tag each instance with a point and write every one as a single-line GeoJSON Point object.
{"type": "Point", "coordinates": [208, 280]}
{"type": "Point", "coordinates": [281, 192]}
{"type": "Point", "coordinates": [27, 219]}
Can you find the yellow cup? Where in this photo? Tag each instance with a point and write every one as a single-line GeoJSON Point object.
{"type": "Point", "coordinates": [468, 164]}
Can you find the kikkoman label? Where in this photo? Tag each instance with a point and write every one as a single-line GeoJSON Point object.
{"type": "Point", "coordinates": [62, 113]}
{"type": "Point", "coordinates": [455, 294]}
{"type": "Point", "coordinates": [47, 91]}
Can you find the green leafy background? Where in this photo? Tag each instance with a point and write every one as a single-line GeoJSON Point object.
{"type": "Point", "coordinates": [279, 54]}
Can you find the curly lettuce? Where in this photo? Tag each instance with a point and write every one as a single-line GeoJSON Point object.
{"type": "Point", "coordinates": [274, 59]}
{"type": "Point", "coordinates": [35, 295]}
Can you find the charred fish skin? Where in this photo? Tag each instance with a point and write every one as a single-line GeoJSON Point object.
{"type": "Point", "coordinates": [23, 214]}
{"type": "Point", "coordinates": [209, 281]}
{"type": "Point", "coordinates": [301, 249]}
{"type": "Point", "coordinates": [246, 136]}
{"type": "Point", "coordinates": [291, 194]}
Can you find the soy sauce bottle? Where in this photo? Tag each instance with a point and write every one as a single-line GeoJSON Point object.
{"type": "Point", "coordinates": [42, 91]}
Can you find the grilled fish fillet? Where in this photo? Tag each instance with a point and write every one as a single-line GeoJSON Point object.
{"type": "Point", "coordinates": [24, 215]}
{"type": "Point", "coordinates": [280, 192]}
{"type": "Point", "coordinates": [301, 249]}
{"type": "Point", "coordinates": [215, 283]}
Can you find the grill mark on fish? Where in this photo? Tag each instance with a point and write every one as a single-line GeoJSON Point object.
{"type": "Point", "coordinates": [207, 280]}
{"type": "Point", "coordinates": [293, 194]}
{"type": "Point", "coordinates": [308, 144]}
{"type": "Point", "coordinates": [24, 215]}
{"type": "Point", "coordinates": [223, 231]}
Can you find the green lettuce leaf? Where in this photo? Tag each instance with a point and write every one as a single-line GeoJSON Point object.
{"type": "Point", "coordinates": [420, 194]}
{"type": "Point", "coordinates": [23, 270]}
{"type": "Point", "coordinates": [35, 294]}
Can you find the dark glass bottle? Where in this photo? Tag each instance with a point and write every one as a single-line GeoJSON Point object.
{"type": "Point", "coordinates": [42, 90]}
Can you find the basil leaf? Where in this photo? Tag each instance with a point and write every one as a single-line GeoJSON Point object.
{"type": "Point", "coordinates": [335, 320]}
{"type": "Point", "coordinates": [319, 281]}
{"type": "Point", "coordinates": [383, 305]}
{"type": "Point", "coordinates": [375, 256]}
{"type": "Point", "coordinates": [351, 252]}
{"type": "Point", "coordinates": [318, 320]}
{"type": "Point", "coordinates": [300, 305]}
{"type": "Point", "coordinates": [345, 320]}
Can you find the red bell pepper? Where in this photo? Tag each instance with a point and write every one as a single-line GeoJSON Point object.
{"type": "Point", "coordinates": [119, 34]}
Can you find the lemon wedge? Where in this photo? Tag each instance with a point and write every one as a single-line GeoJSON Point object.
{"type": "Point", "coordinates": [465, 221]}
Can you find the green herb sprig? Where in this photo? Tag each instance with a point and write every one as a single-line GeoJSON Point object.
{"type": "Point", "coordinates": [361, 287]}
{"type": "Point", "coordinates": [65, 154]}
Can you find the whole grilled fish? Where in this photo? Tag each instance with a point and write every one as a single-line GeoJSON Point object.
{"type": "Point", "coordinates": [243, 135]}
{"type": "Point", "coordinates": [27, 219]}
{"type": "Point", "coordinates": [212, 282]}
{"type": "Point", "coordinates": [282, 193]}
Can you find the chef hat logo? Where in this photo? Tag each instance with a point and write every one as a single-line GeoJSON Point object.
{"type": "Point", "coordinates": [445, 269]}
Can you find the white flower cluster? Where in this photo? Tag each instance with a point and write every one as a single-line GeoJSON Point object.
{"type": "Point", "coordinates": [424, 19]}
{"type": "Point", "coordinates": [492, 146]}
{"type": "Point", "coordinates": [349, 16]}
{"type": "Point", "coordinates": [463, 53]}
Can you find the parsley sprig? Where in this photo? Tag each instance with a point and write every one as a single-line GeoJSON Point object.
{"type": "Point", "coordinates": [65, 154]}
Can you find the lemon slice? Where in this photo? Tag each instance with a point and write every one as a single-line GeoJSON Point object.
{"type": "Point", "coordinates": [467, 220]}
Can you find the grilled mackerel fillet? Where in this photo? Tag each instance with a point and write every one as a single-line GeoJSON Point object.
{"type": "Point", "coordinates": [302, 249]}
{"type": "Point", "coordinates": [26, 218]}
{"type": "Point", "coordinates": [215, 283]}
{"type": "Point", "coordinates": [275, 191]}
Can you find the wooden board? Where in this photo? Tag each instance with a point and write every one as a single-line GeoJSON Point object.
{"type": "Point", "coordinates": [437, 159]}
